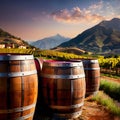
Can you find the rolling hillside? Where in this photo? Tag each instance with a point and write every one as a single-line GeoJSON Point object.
{"type": "Point", "coordinates": [7, 38]}
{"type": "Point", "coordinates": [73, 50]}
{"type": "Point", "coordinates": [102, 38]}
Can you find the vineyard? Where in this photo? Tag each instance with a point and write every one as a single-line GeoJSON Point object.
{"type": "Point", "coordinates": [107, 65]}
{"type": "Point", "coordinates": [15, 50]}
{"type": "Point", "coordinates": [110, 65]}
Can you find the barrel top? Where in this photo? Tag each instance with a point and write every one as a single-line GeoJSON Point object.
{"type": "Point", "coordinates": [90, 61]}
{"type": "Point", "coordinates": [62, 63]}
{"type": "Point", "coordinates": [7, 57]}
{"type": "Point", "coordinates": [85, 60]}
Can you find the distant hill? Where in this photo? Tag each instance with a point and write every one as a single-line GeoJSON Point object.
{"type": "Point", "coordinates": [73, 50]}
{"type": "Point", "coordinates": [102, 38]}
{"type": "Point", "coordinates": [7, 38]}
{"type": "Point", "coordinates": [50, 42]}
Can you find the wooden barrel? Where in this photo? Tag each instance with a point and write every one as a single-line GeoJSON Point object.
{"type": "Point", "coordinates": [63, 86]}
{"type": "Point", "coordinates": [18, 87]}
{"type": "Point", "coordinates": [92, 76]}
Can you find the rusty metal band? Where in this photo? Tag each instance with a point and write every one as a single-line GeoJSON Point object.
{"type": "Point", "coordinates": [63, 76]}
{"type": "Point", "coordinates": [63, 64]}
{"type": "Point", "coordinates": [91, 68]}
{"type": "Point", "coordinates": [74, 114]}
{"type": "Point", "coordinates": [17, 74]}
{"type": "Point", "coordinates": [25, 117]}
{"type": "Point", "coordinates": [20, 109]}
{"type": "Point", "coordinates": [67, 107]}
{"type": "Point", "coordinates": [15, 57]}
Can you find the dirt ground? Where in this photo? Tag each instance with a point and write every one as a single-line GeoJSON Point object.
{"type": "Point", "coordinates": [111, 79]}
{"type": "Point", "coordinates": [94, 111]}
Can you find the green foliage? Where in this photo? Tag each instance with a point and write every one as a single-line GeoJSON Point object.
{"type": "Point", "coordinates": [105, 100]}
{"type": "Point", "coordinates": [110, 75]}
{"type": "Point", "coordinates": [23, 51]}
{"type": "Point", "coordinates": [109, 62]}
{"type": "Point", "coordinates": [111, 88]}
{"type": "Point", "coordinates": [47, 54]}
{"type": "Point", "coordinates": [56, 55]}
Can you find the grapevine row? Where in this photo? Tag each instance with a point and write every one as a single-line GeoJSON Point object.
{"type": "Point", "coordinates": [108, 64]}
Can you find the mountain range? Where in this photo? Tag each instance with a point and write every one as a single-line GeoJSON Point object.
{"type": "Point", "coordinates": [50, 42]}
{"type": "Point", "coordinates": [102, 38]}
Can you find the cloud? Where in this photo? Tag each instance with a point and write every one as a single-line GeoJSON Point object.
{"type": "Point", "coordinates": [103, 10]}
{"type": "Point", "coordinates": [96, 6]}
{"type": "Point", "coordinates": [78, 15]}
{"type": "Point", "coordinates": [111, 10]}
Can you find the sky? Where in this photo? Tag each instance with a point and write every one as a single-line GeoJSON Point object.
{"type": "Point", "coordinates": [37, 19]}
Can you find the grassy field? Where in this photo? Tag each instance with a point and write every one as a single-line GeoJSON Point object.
{"type": "Point", "coordinates": [110, 75]}
{"type": "Point", "coordinates": [105, 100]}
{"type": "Point", "coordinates": [111, 88]}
